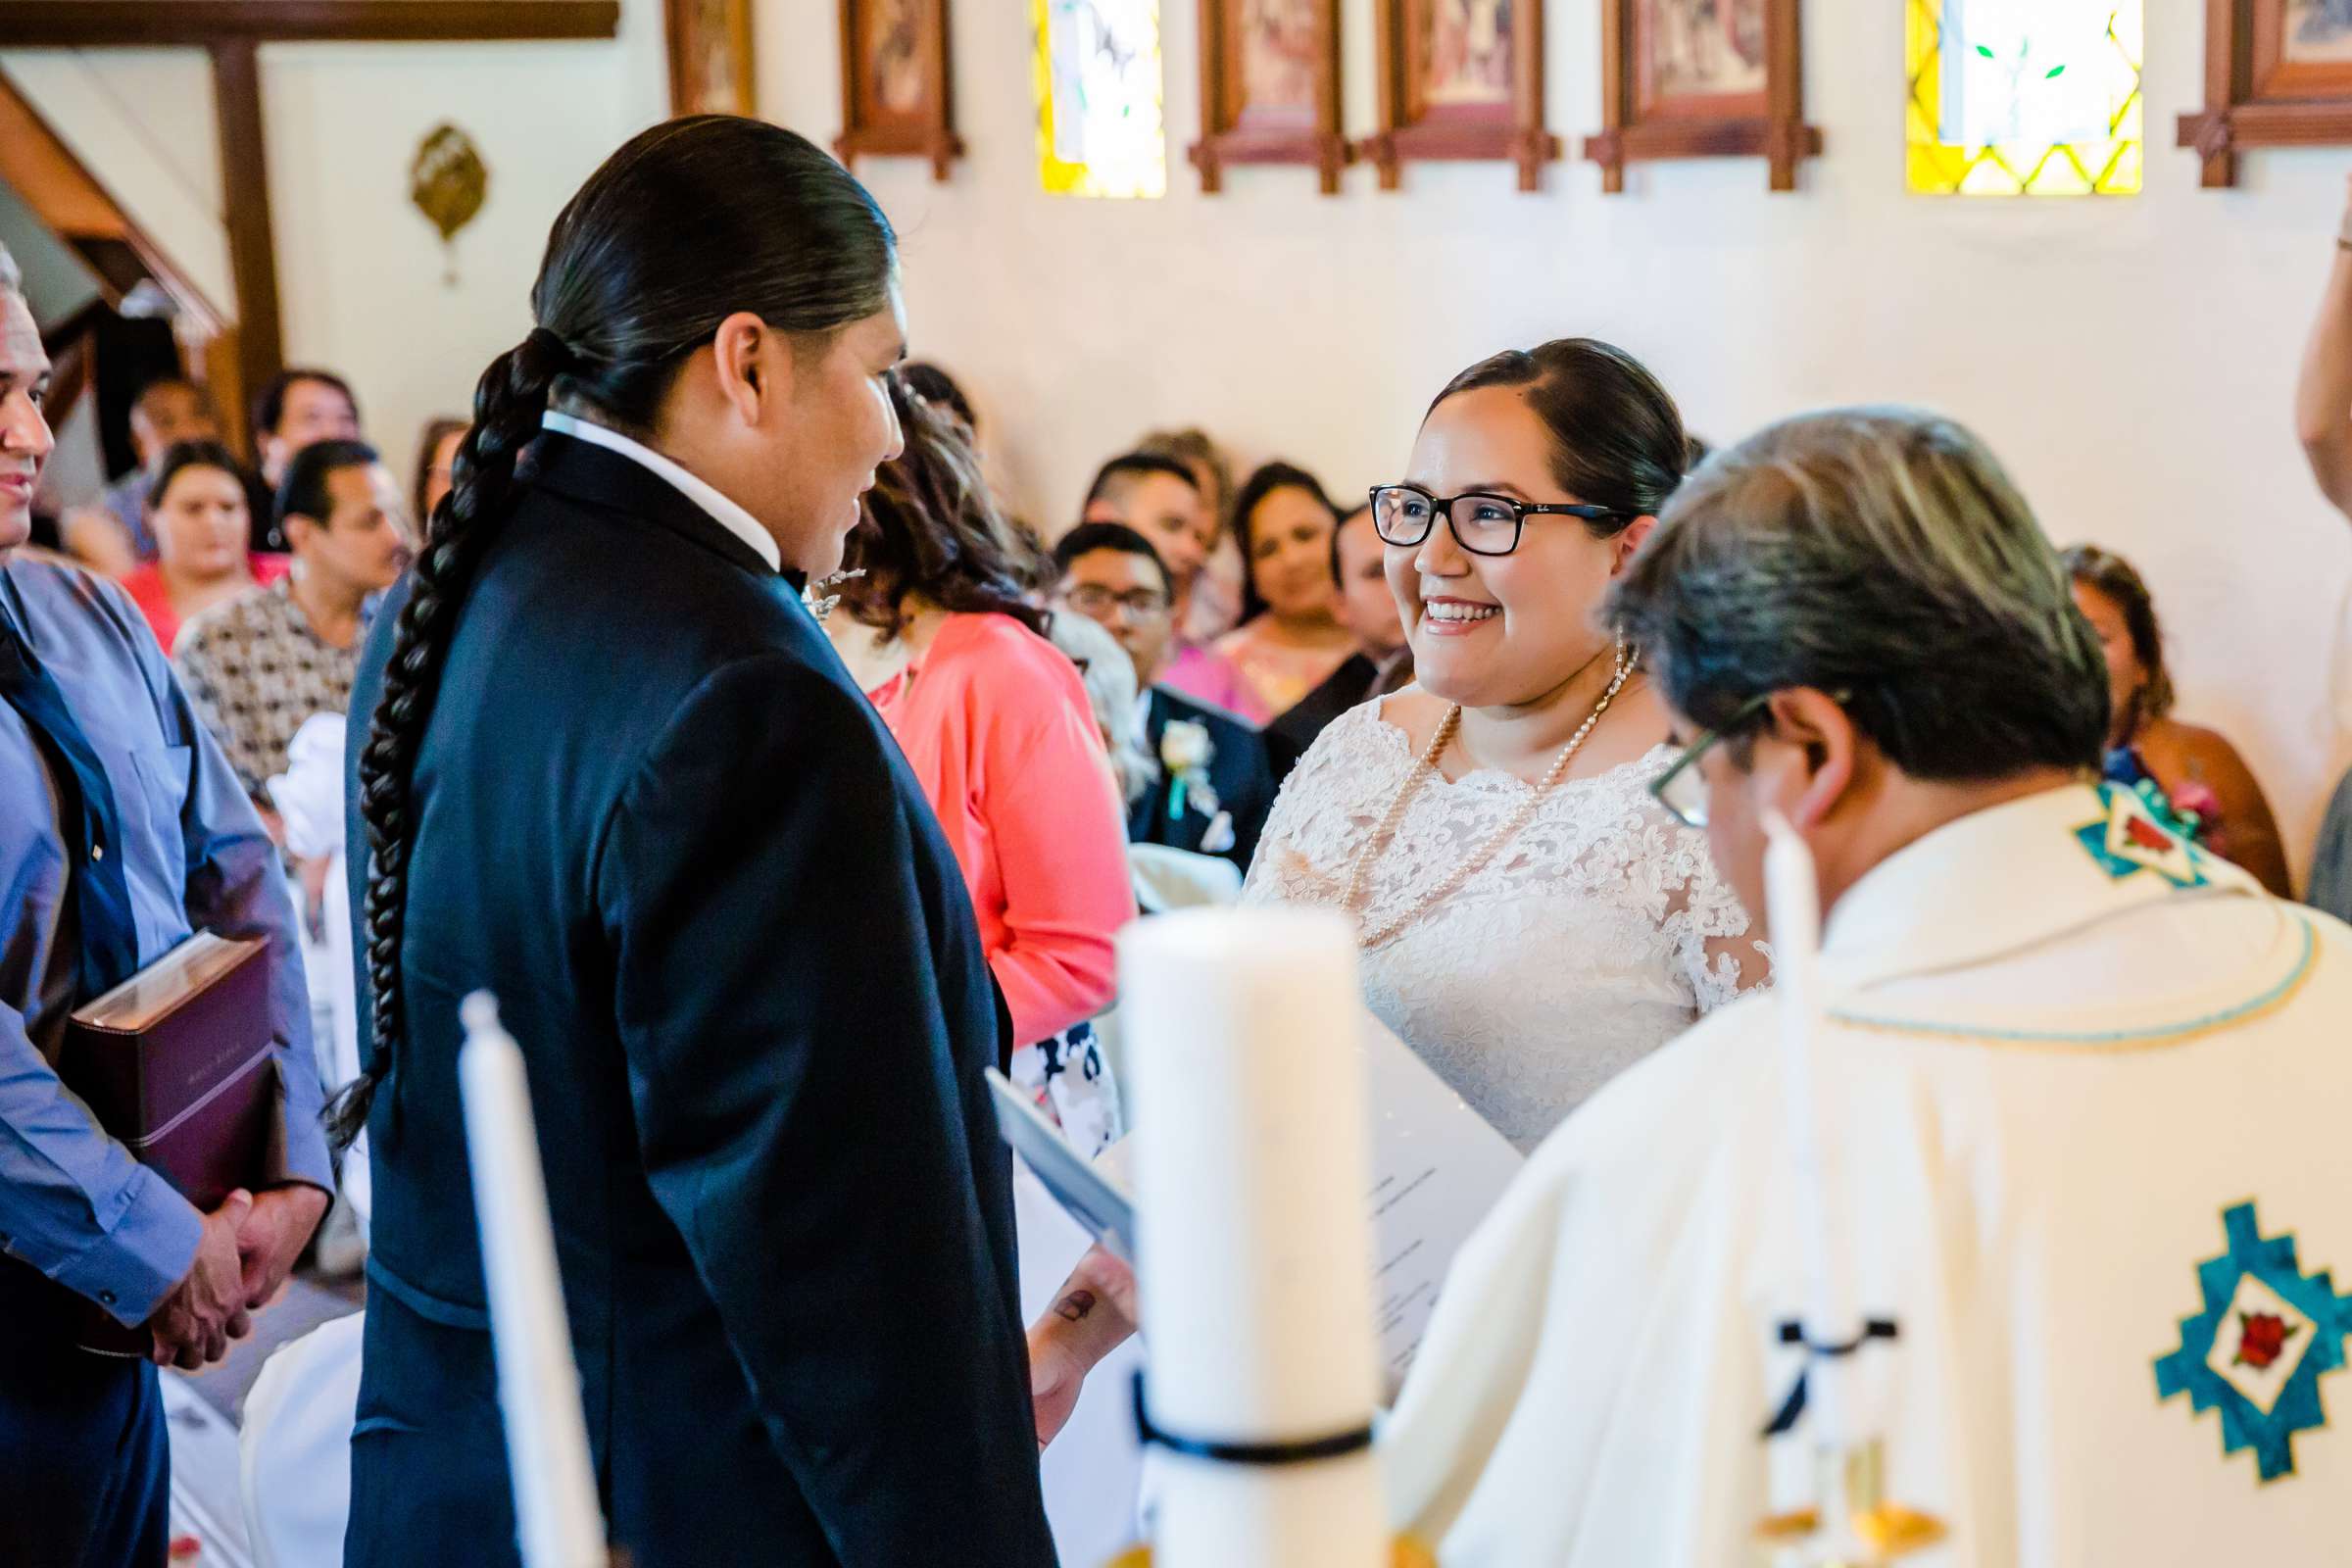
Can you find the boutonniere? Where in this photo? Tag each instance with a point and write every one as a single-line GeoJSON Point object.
{"type": "Point", "coordinates": [1186, 751]}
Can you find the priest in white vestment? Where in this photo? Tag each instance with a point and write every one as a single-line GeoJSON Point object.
{"type": "Point", "coordinates": [2089, 1086]}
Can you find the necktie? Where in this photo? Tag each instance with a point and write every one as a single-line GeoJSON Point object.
{"type": "Point", "coordinates": [110, 941]}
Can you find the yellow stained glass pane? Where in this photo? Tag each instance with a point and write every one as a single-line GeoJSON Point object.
{"type": "Point", "coordinates": [1098, 124]}
{"type": "Point", "coordinates": [2024, 97]}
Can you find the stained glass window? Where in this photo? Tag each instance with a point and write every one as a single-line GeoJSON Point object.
{"type": "Point", "coordinates": [1099, 129]}
{"type": "Point", "coordinates": [2025, 97]}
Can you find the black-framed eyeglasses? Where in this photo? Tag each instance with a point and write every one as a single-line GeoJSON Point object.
{"type": "Point", "coordinates": [1483, 524]}
{"type": "Point", "coordinates": [1097, 602]}
{"type": "Point", "coordinates": [1681, 789]}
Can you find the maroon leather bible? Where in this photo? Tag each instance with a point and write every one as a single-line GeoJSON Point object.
{"type": "Point", "coordinates": [175, 1063]}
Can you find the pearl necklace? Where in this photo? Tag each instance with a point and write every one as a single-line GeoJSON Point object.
{"type": "Point", "coordinates": [1427, 764]}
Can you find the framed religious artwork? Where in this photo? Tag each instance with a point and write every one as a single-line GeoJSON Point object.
{"type": "Point", "coordinates": [896, 96]}
{"type": "Point", "coordinates": [710, 57]}
{"type": "Point", "coordinates": [2277, 73]}
{"type": "Point", "coordinates": [1700, 78]}
{"type": "Point", "coordinates": [1270, 88]}
{"type": "Point", "coordinates": [1460, 80]}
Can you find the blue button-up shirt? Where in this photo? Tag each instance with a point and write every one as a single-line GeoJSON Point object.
{"type": "Point", "coordinates": [73, 1203]}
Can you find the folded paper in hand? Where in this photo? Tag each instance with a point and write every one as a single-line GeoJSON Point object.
{"type": "Point", "coordinates": [1437, 1168]}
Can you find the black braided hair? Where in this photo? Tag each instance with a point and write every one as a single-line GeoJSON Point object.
{"type": "Point", "coordinates": [688, 223]}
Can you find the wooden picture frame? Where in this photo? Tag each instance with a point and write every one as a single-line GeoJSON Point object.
{"type": "Point", "coordinates": [1297, 120]}
{"type": "Point", "coordinates": [1673, 87]}
{"type": "Point", "coordinates": [710, 57]}
{"type": "Point", "coordinates": [2264, 88]}
{"type": "Point", "coordinates": [897, 92]}
{"type": "Point", "coordinates": [1443, 94]}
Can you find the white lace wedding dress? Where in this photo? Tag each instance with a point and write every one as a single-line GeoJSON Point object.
{"type": "Point", "coordinates": [1597, 934]}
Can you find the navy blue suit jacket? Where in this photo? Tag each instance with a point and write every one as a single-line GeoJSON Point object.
{"type": "Point", "coordinates": [1238, 773]}
{"type": "Point", "coordinates": [657, 820]}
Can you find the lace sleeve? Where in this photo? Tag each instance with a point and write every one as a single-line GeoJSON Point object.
{"type": "Point", "coordinates": [1296, 861]}
{"type": "Point", "coordinates": [1715, 944]}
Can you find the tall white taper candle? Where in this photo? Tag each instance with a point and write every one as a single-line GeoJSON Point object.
{"type": "Point", "coordinates": [1793, 902]}
{"type": "Point", "coordinates": [1252, 1166]}
{"type": "Point", "coordinates": [538, 1382]}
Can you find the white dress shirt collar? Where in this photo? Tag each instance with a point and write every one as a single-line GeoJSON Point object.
{"type": "Point", "coordinates": [1142, 713]}
{"type": "Point", "coordinates": [723, 511]}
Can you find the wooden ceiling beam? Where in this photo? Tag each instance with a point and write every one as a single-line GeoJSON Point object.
{"type": "Point", "coordinates": [46, 175]}
{"type": "Point", "coordinates": [104, 23]}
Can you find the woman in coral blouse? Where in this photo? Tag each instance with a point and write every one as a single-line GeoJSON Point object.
{"type": "Point", "coordinates": [202, 524]}
{"type": "Point", "coordinates": [994, 719]}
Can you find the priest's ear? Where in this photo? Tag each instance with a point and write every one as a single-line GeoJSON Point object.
{"type": "Point", "coordinates": [1807, 756]}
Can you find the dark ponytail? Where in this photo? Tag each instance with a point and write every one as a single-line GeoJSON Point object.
{"type": "Point", "coordinates": [687, 224]}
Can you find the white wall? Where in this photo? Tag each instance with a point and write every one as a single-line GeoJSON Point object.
{"type": "Point", "coordinates": [142, 121]}
{"type": "Point", "coordinates": [2132, 359]}
{"type": "Point", "coordinates": [360, 270]}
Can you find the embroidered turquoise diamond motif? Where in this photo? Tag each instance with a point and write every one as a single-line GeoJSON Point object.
{"type": "Point", "coordinates": [2130, 840]}
{"type": "Point", "coordinates": [2257, 1352]}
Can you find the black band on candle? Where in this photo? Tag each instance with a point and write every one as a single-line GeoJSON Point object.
{"type": "Point", "coordinates": [1306, 1452]}
{"type": "Point", "coordinates": [1793, 1333]}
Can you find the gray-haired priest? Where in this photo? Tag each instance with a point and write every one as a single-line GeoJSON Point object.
{"type": "Point", "coordinates": [2089, 1088]}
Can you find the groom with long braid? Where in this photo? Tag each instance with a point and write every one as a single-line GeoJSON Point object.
{"type": "Point", "coordinates": [611, 771]}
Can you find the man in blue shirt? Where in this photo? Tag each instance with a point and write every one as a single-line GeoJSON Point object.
{"type": "Point", "coordinates": [122, 831]}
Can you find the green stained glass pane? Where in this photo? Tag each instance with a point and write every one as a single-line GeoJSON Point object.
{"type": "Point", "coordinates": [2024, 97]}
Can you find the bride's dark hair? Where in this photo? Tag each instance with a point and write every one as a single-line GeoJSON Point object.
{"type": "Point", "coordinates": [1617, 439]}
{"type": "Point", "coordinates": [690, 222]}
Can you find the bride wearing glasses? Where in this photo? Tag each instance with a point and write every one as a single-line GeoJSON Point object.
{"type": "Point", "coordinates": [1534, 916]}
{"type": "Point", "coordinates": [1533, 920]}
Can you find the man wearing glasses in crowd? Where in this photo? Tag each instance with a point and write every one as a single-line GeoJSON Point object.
{"type": "Point", "coordinates": [1216, 785]}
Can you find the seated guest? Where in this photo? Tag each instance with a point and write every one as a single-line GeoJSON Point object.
{"type": "Point", "coordinates": [1380, 663]}
{"type": "Point", "coordinates": [297, 408]}
{"type": "Point", "coordinates": [1218, 785]}
{"type": "Point", "coordinates": [1110, 692]}
{"type": "Point", "coordinates": [436, 453]}
{"type": "Point", "coordinates": [203, 534]}
{"type": "Point", "coordinates": [2199, 775]}
{"type": "Point", "coordinates": [1290, 640]}
{"type": "Point", "coordinates": [2084, 1080]}
{"type": "Point", "coordinates": [111, 533]}
{"type": "Point", "coordinates": [994, 723]}
{"type": "Point", "coordinates": [1159, 499]}
{"type": "Point", "coordinates": [938, 388]}
{"type": "Point", "coordinates": [1214, 605]}
{"type": "Point", "coordinates": [260, 663]}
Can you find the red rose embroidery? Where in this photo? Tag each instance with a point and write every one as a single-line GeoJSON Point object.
{"type": "Point", "coordinates": [2262, 1336]}
{"type": "Point", "coordinates": [2147, 835]}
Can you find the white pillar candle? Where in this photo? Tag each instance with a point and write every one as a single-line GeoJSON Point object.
{"type": "Point", "coordinates": [538, 1381]}
{"type": "Point", "coordinates": [1253, 1168]}
{"type": "Point", "coordinates": [1793, 904]}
